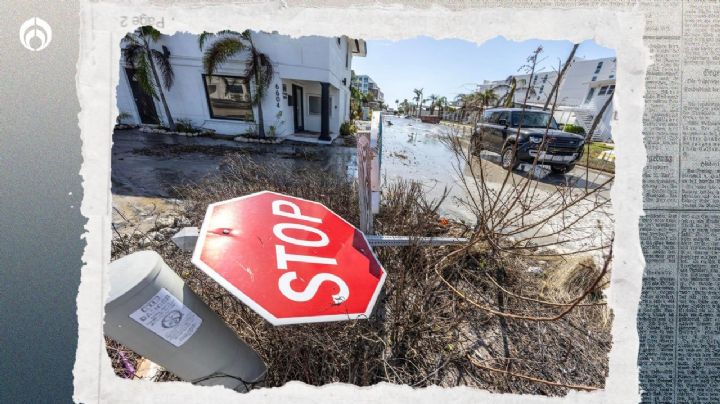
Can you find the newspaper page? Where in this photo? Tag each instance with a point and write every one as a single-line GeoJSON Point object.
{"type": "Point", "coordinates": [678, 319]}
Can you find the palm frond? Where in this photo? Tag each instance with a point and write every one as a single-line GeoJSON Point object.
{"type": "Point", "coordinates": [143, 75]}
{"type": "Point", "coordinates": [203, 38]}
{"type": "Point", "coordinates": [266, 65]}
{"type": "Point", "coordinates": [220, 51]}
{"type": "Point", "coordinates": [130, 39]}
{"type": "Point", "coordinates": [150, 31]}
{"type": "Point", "coordinates": [162, 60]}
{"type": "Point", "coordinates": [246, 35]}
{"type": "Point", "coordinates": [260, 68]}
{"type": "Point", "coordinates": [131, 52]}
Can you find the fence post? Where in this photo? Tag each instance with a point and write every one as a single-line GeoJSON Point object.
{"type": "Point", "coordinates": [375, 154]}
{"type": "Point", "coordinates": [364, 190]}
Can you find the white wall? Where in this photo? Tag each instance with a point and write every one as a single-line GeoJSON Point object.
{"type": "Point", "coordinates": [578, 78]}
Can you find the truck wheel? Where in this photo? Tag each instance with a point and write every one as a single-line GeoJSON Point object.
{"type": "Point", "coordinates": [508, 159]}
{"type": "Point", "coordinates": [561, 169]}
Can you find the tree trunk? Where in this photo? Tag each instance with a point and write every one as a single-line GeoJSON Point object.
{"type": "Point", "coordinates": [556, 85]}
{"type": "Point", "coordinates": [261, 119]}
{"type": "Point", "coordinates": [171, 123]}
{"type": "Point", "coordinates": [598, 118]}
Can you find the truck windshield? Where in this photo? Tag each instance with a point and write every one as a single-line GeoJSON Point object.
{"type": "Point", "coordinates": [531, 119]}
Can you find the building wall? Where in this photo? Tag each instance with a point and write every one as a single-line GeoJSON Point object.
{"type": "Point", "coordinates": [306, 59]}
{"type": "Point", "coordinates": [579, 77]}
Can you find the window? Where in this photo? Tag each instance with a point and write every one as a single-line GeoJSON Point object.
{"type": "Point", "coordinates": [541, 88]}
{"type": "Point", "coordinates": [494, 117]}
{"type": "Point", "coordinates": [486, 116]}
{"type": "Point", "coordinates": [504, 116]}
{"type": "Point", "coordinates": [338, 41]}
{"type": "Point", "coordinates": [594, 78]}
{"type": "Point", "coordinates": [599, 66]}
{"type": "Point", "coordinates": [603, 90]}
{"type": "Point", "coordinates": [590, 95]}
{"type": "Point", "coordinates": [531, 119]}
{"type": "Point", "coordinates": [315, 105]}
{"type": "Point", "coordinates": [611, 89]}
{"type": "Point", "coordinates": [228, 97]}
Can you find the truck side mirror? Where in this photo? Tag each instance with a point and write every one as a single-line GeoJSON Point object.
{"type": "Point", "coordinates": [503, 122]}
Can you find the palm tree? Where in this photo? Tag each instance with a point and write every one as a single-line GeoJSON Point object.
{"type": "Point", "coordinates": [405, 106]}
{"type": "Point", "coordinates": [433, 102]}
{"type": "Point", "coordinates": [485, 99]}
{"type": "Point", "coordinates": [138, 52]}
{"type": "Point", "coordinates": [258, 65]}
{"type": "Point", "coordinates": [356, 100]}
{"type": "Point", "coordinates": [508, 98]}
{"type": "Point", "coordinates": [442, 104]}
{"type": "Point", "coordinates": [419, 99]}
{"type": "Point", "coordinates": [396, 104]}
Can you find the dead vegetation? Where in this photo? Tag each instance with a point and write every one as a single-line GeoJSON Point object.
{"type": "Point", "coordinates": [432, 325]}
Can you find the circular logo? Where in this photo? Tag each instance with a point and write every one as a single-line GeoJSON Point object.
{"type": "Point", "coordinates": [171, 319]}
{"type": "Point", "coordinates": [35, 34]}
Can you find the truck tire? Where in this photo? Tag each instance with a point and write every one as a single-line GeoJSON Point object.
{"type": "Point", "coordinates": [508, 159]}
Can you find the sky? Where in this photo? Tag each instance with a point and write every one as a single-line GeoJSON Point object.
{"type": "Point", "coordinates": [452, 66]}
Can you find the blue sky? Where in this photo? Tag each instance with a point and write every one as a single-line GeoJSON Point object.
{"type": "Point", "coordinates": [451, 66]}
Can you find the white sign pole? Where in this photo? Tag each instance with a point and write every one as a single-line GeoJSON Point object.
{"type": "Point", "coordinates": [151, 311]}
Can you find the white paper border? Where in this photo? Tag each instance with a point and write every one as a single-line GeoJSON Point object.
{"type": "Point", "coordinates": [96, 84]}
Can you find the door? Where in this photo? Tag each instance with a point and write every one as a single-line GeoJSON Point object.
{"type": "Point", "coordinates": [144, 102]}
{"type": "Point", "coordinates": [492, 132]}
{"type": "Point", "coordinates": [497, 131]}
{"type": "Point", "coordinates": [298, 108]}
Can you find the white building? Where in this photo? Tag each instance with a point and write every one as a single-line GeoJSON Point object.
{"type": "Point", "coordinates": [308, 97]}
{"type": "Point", "coordinates": [583, 91]}
{"type": "Point", "coordinates": [365, 85]}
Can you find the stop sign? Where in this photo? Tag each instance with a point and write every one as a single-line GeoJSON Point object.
{"type": "Point", "coordinates": [291, 260]}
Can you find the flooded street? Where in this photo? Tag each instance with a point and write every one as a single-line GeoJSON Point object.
{"type": "Point", "coordinates": [415, 150]}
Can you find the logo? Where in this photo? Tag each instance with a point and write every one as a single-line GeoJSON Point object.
{"type": "Point", "coordinates": [172, 319]}
{"type": "Point", "coordinates": [35, 34]}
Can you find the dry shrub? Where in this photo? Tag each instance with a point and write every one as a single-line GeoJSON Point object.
{"type": "Point", "coordinates": [421, 333]}
{"type": "Point", "coordinates": [570, 277]}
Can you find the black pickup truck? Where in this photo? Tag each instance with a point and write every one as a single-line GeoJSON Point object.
{"type": "Point", "coordinates": [526, 136]}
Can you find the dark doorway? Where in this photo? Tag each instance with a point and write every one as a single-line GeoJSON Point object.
{"type": "Point", "coordinates": [144, 102]}
{"type": "Point", "coordinates": [298, 108]}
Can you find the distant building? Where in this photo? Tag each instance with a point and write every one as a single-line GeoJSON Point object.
{"type": "Point", "coordinates": [311, 73]}
{"type": "Point", "coordinates": [365, 85]}
{"type": "Point", "coordinates": [583, 91]}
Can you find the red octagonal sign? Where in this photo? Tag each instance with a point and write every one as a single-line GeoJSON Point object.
{"type": "Point", "coordinates": [289, 259]}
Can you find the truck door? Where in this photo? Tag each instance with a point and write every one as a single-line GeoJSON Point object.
{"type": "Point", "coordinates": [498, 130]}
